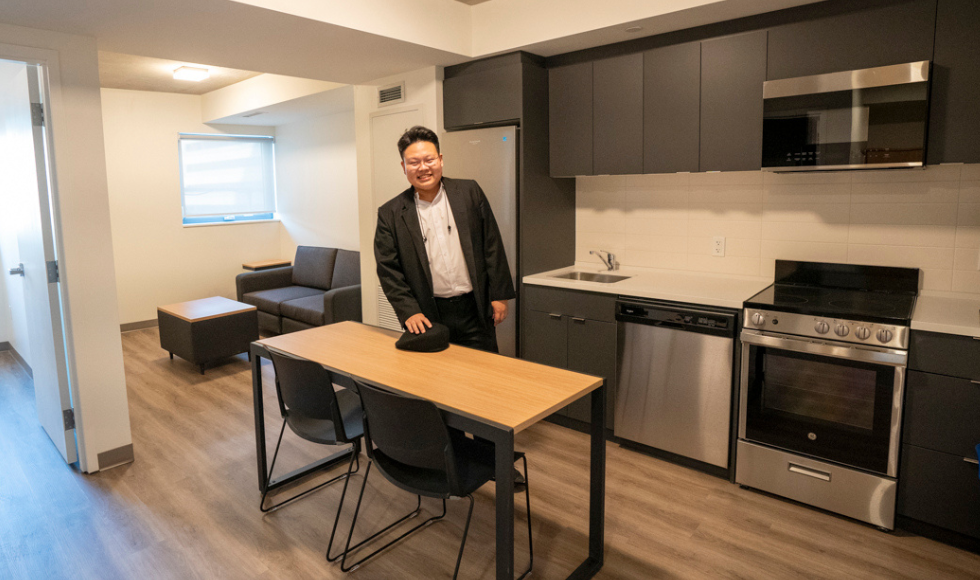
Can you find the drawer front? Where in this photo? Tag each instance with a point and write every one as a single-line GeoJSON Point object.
{"type": "Point", "coordinates": [573, 303]}
{"type": "Point", "coordinates": [939, 489]}
{"type": "Point", "coordinates": [945, 354]}
{"type": "Point", "coordinates": [942, 413]}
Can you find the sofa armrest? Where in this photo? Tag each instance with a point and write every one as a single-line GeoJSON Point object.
{"type": "Point", "coordinates": [341, 304]}
{"type": "Point", "coordinates": [263, 280]}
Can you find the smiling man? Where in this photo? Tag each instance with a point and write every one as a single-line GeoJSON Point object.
{"type": "Point", "coordinates": [439, 253]}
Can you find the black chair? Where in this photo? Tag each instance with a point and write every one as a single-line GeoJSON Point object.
{"type": "Point", "coordinates": [407, 438]}
{"type": "Point", "coordinates": [317, 413]}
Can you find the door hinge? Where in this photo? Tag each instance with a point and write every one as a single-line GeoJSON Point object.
{"type": "Point", "coordinates": [53, 276]}
{"type": "Point", "coordinates": [69, 419]}
{"type": "Point", "coordinates": [37, 114]}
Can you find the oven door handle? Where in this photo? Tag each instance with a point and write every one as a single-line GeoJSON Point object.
{"type": "Point", "coordinates": [894, 358]}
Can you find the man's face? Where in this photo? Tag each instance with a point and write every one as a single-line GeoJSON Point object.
{"type": "Point", "coordinates": [422, 165]}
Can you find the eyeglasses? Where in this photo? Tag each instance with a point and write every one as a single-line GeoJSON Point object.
{"type": "Point", "coordinates": [416, 163]}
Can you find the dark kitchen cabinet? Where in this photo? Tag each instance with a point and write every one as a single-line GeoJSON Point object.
{"type": "Point", "coordinates": [733, 69]}
{"type": "Point", "coordinates": [842, 37]}
{"type": "Point", "coordinates": [617, 130]}
{"type": "Point", "coordinates": [575, 331]}
{"type": "Point", "coordinates": [570, 119]}
{"type": "Point", "coordinates": [954, 116]}
{"type": "Point", "coordinates": [671, 108]}
{"type": "Point", "coordinates": [938, 482]}
{"type": "Point", "coordinates": [483, 92]}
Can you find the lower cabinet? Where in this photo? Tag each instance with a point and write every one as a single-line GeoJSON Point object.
{"type": "Point", "coordinates": [575, 331]}
{"type": "Point", "coordinates": [939, 489]}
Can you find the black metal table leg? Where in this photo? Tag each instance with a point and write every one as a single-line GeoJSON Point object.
{"type": "Point", "coordinates": [504, 474]}
{"type": "Point", "coordinates": [597, 489]}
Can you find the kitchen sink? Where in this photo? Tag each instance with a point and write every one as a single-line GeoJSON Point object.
{"type": "Point", "coordinates": [593, 277]}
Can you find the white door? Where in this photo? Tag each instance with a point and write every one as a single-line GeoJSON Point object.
{"type": "Point", "coordinates": [25, 165]}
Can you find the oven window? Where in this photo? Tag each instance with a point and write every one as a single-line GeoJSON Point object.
{"type": "Point", "coordinates": [821, 390]}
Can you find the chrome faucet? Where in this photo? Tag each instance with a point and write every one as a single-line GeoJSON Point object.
{"type": "Point", "coordinates": [610, 261]}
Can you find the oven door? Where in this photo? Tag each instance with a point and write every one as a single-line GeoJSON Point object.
{"type": "Point", "coordinates": [841, 403]}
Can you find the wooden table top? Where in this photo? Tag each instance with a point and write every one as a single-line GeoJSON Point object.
{"type": "Point", "coordinates": [504, 391]}
{"type": "Point", "coordinates": [205, 308]}
{"type": "Point", "coordinates": [263, 264]}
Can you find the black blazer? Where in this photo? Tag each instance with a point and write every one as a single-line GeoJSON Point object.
{"type": "Point", "coordinates": [403, 265]}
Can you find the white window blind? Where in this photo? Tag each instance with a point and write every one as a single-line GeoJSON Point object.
{"type": "Point", "coordinates": [226, 175]}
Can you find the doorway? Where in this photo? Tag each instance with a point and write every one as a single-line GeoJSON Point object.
{"type": "Point", "coordinates": [33, 319]}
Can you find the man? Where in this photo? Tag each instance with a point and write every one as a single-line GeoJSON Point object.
{"type": "Point", "coordinates": [439, 253]}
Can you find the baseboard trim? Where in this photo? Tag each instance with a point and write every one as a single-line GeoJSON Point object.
{"type": "Point", "coordinates": [5, 346]}
{"type": "Point", "coordinates": [137, 325]}
{"type": "Point", "coordinates": [116, 457]}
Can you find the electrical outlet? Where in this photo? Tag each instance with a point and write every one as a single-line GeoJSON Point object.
{"type": "Point", "coordinates": [718, 246]}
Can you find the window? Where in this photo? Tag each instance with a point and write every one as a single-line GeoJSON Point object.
{"type": "Point", "coordinates": [226, 178]}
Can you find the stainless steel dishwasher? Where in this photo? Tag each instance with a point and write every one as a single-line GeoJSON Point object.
{"type": "Point", "coordinates": [674, 381]}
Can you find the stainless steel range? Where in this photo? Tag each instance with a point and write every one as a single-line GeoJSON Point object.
{"type": "Point", "coordinates": [824, 353]}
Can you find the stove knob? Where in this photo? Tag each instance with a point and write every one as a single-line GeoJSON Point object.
{"type": "Point", "coordinates": [758, 319]}
{"type": "Point", "coordinates": [841, 330]}
{"type": "Point", "coordinates": [822, 327]}
{"type": "Point", "coordinates": [884, 335]}
{"type": "Point", "coordinates": [862, 332]}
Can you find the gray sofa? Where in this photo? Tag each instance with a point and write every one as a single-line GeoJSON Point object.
{"type": "Point", "coordinates": [322, 286]}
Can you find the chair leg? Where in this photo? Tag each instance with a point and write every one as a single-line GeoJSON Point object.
{"type": "Point", "coordinates": [527, 499]}
{"type": "Point", "coordinates": [466, 530]}
{"type": "Point", "coordinates": [275, 455]}
{"type": "Point", "coordinates": [353, 566]}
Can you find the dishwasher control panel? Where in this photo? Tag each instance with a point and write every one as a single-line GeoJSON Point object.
{"type": "Point", "coordinates": [657, 315]}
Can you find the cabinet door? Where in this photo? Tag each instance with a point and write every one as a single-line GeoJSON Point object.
{"type": "Point", "coordinates": [954, 116]}
{"type": "Point", "coordinates": [486, 96]}
{"type": "Point", "coordinates": [945, 354]}
{"type": "Point", "coordinates": [570, 119]}
{"type": "Point", "coordinates": [671, 108]}
{"type": "Point", "coordinates": [592, 350]}
{"type": "Point", "coordinates": [939, 489]}
{"type": "Point", "coordinates": [733, 69]}
{"type": "Point", "coordinates": [942, 414]}
{"type": "Point", "coordinates": [617, 121]}
{"type": "Point", "coordinates": [545, 338]}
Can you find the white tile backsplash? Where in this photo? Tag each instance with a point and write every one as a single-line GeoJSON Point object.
{"type": "Point", "coordinates": [928, 219]}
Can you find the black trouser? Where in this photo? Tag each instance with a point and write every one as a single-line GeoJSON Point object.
{"type": "Point", "coordinates": [462, 317]}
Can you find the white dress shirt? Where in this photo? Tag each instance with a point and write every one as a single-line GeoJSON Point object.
{"type": "Point", "coordinates": [446, 262]}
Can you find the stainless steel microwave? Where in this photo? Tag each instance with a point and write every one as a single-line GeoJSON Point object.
{"type": "Point", "coordinates": [872, 118]}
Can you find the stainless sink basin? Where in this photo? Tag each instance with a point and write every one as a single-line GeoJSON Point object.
{"type": "Point", "coordinates": [593, 277]}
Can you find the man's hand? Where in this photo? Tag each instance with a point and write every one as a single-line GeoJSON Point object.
{"type": "Point", "coordinates": [499, 311]}
{"type": "Point", "coordinates": [417, 322]}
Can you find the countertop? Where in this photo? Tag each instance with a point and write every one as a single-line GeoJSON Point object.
{"type": "Point", "coordinates": [726, 291]}
{"type": "Point", "coordinates": [950, 315]}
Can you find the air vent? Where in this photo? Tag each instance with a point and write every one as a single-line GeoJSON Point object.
{"type": "Point", "coordinates": [386, 314]}
{"type": "Point", "coordinates": [391, 94]}
{"type": "Point", "coordinates": [255, 114]}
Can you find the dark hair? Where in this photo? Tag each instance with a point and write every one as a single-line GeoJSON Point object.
{"type": "Point", "coordinates": [416, 134]}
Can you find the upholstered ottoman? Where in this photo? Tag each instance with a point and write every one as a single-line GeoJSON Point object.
{"type": "Point", "coordinates": [202, 331]}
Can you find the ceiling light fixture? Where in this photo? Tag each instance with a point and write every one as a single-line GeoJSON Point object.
{"type": "Point", "coordinates": [191, 73]}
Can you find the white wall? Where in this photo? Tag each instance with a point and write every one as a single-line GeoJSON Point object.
{"type": "Point", "coordinates": [82, 209]}
{"type": "Point", "coordinates": [257, 92]}
{"type": "Point", "coordinates": [423, 90]}
{"type": "Point", "coordinates": [19, 185]}
{"type": "Point", "coordinates": [928, 219]}
{"type": "Point", "coordinates": [158, 260]}
{"type": "Point", "coordinates": [316, 180]}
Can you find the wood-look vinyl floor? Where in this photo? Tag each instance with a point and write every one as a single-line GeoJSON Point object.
{"type": "Point", "coordinates": [188, 506]}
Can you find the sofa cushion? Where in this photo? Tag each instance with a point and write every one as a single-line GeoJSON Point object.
{"type": "Point", "coordinates": [313, 267]}
{"type": "Point", "coordinates": [271, 300]}
{"type": "Point", "coordinates": [308, 309]}
{"type": "Point", "coordinates": [347, 269]}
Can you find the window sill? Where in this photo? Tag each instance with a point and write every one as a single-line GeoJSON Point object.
{"type": "Point", "coordinates": [238, 223]}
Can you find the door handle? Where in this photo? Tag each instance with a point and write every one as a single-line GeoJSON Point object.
{"type": "Point", "coordinates": [18, 271]}
{"type": "Point", "coordinates": [971, 460]}
{"type": "Point", "coordinates": [821, 475]}
{"type": "Point", "coordinates": [554, 316]}
{"type": "Point", "coordinates": [578, 320]}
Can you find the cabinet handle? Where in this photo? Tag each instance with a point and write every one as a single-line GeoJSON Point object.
{"type": "Point", "coordinates": [975, 382]}
{"type": "Point", "coordinates": [554, 316]}
{"type": "Point", "coordinates": [971, 460]}
{"type": "Point", "coordinates": [578, 320]}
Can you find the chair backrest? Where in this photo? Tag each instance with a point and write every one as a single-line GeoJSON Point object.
{"type": "Point", "coordinates": [305, 389]}
{"type": "Point", "coordinates": [347, 269]}
{"type": "Point", "coordinates": [408, 430]}
{"type": "Point", "coordinates": [313, 267]}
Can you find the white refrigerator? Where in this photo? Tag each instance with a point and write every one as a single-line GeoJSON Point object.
{"type": "Point", "coordinates": [490, 157]}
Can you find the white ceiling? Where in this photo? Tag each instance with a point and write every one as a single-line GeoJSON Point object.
{"type": "Point", "coordinates": [143, 73]}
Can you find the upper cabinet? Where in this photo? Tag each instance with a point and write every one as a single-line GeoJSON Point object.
{"type": "Point", "coordinates": [570, 119]}
{"type": "Point", "coordinates": [954, 116]}
{"type": "Point", "coordinates": [842, 37]}
{"type": "Point", "coordinates": [733, 69]}
{"type": "Point", "coordinates": [671, 108]}
{"type": "Point", "coordinates": [617, 115]}
{"type": "Point", "coordinates": [483, 92]}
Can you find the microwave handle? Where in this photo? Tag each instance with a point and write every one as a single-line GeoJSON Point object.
{"type": "Point", "coordinates": [893, 358]}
